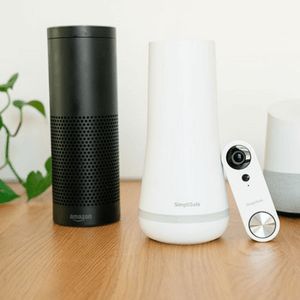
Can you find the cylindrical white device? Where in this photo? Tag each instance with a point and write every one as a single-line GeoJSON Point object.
{"type": "Point", "coordinates": [183, 197]}
{"type": "Point", "coordinates": [282, 163]}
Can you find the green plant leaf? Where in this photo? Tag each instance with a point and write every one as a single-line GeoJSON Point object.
{"type": "Point", "coordinates": [19, 103]}
{"type": "Point", "coordinates": [1, 123]}
{"type": "Point", "coordinates": [36, 184]}
{"type": "Point", "coordinates": [10, 83]}
{"type": "Point", "coordinates": [38, 105]}
{"type": "Point", "coordinates": [12, 80]}
{"type": "Point", "coordinates": [34, 103]}
{"type": "Point", "coordinates": [6, 193]}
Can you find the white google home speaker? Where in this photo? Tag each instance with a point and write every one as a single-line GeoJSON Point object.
{"type": "Point", "coordinates": [282, 162]}
{"type": "Point", "coordinates": [183, 197]}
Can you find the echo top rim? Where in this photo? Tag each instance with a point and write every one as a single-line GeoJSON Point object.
{"type": "Point", "coordinates": [81, 31]}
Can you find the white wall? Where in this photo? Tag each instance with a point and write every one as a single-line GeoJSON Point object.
{"type": "Point", "coordinates": [258, 56]}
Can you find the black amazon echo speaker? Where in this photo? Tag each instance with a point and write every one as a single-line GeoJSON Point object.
{"type": "Point", "coordinates": [84, 125]}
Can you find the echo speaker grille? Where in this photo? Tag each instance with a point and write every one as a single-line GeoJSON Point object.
{"type": "Point", "coordinates": [85, 160]}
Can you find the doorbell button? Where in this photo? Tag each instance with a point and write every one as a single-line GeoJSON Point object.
{"type": "Point", "coordinates": [253, 200]}
{"type": "Point", "coordinates": [262, 225]}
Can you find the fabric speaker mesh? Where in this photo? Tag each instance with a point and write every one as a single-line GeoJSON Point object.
{"type": "Point", "coordinates": [285, 191]}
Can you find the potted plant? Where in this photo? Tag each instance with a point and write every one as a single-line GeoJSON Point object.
{"type": "Point", "coordinates": [35, 183]}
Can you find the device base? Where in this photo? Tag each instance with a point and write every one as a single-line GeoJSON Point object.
{"type": "Point", "coordinates": [86, 216]}
{"type": "Point", "coordinates": [288, 214]}
{"type": "Point", "coordinates": [184, 233]}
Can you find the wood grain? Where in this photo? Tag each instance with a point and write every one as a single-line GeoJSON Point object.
{"type": "Point", "coordinates": [41, 260]}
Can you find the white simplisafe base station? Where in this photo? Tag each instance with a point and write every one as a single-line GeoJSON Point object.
{"type": "Point", "coordinates": [183, 197]}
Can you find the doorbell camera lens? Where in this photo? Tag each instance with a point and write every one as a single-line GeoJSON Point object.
{"type": "Point", "coordinates": [238, 157]}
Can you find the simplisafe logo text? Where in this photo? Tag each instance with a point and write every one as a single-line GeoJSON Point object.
{"type": "Point", "coordinates": [187, 204]}
{"type": "Point", "coordinates": [254, 202]}
{"type": "Point", "coordinates": [80, 218]}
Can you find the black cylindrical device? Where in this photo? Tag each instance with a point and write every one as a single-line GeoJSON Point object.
{"type": "Point", "coordinates": [84, 125]}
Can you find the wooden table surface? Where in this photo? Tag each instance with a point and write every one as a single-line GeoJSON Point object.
{"type": "Point", "coordinates": [41, 260]}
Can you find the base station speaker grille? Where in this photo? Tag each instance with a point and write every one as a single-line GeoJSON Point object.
{"type": "Point", "coordinates": [85, 160]}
